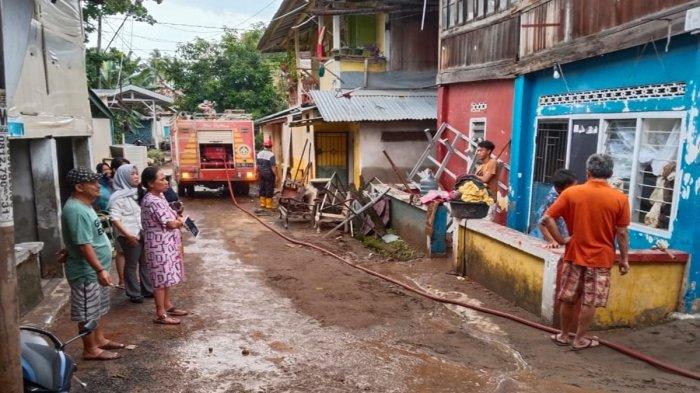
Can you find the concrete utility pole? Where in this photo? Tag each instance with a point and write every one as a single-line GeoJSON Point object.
{"type": "Point", "coordinates": [10, 369]}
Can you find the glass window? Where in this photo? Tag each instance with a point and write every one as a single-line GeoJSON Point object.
{"type": "Point", "coordinates": [645, 166]}
{"type": "Point", "coordinates": [502, 5]}
{"type": "Point", "coordinates": [656, 172]}
{"type": "Point", "coordinates": [452, 13]}
{"type": "Point", "coordinates": [490, 7]}
{"type": "Point", "coordinates": [619, 144]}
{"type": "Point", "coordinates": [470, 9]}
{"type": "Point", "coordinates": [460, 12]}
{"type": "Point", "coordinates": [480, 9]}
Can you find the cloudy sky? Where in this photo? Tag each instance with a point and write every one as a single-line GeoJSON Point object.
{"type": "Point", "coordinates": [177, 20]}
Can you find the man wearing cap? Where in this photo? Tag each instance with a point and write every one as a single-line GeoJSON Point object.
{"type": "Point", "coordinates": [88, 262]}
{"type": "Point", "coordinates": [266, 171]}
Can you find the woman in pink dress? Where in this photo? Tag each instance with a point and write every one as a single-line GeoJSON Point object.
{"type": "Point", "coordinates": [162, 244]}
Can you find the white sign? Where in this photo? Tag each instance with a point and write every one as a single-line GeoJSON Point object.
{"type": "Point", "coordinates": [692, 20]}
{"type": "Point", "coordinates": [5, 183]}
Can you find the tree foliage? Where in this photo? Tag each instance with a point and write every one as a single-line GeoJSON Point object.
{"type": "Point", "coordinates": [230, 71]}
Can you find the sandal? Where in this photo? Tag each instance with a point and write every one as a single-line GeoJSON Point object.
{"type": "Point", "coordinates": [112, 345]}
{"type": "Point", "coordinates": [592, 343]}
{"type": "Point", "coordinates": [103, 355]}
{"type": "Point", "coordinates": [166, 320]}
{"type": "Point", "coordinates": [177, 312]}
{"type": "Point", "coordinates": [557, 341]}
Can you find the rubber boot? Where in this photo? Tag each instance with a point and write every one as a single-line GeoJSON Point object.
{"type": "Point", "coordinates": [263, 202]}
{"type": "Point", "coordinates": [270, 203]}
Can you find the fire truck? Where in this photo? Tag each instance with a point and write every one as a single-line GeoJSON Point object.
{"type": "Point", "coordinates": [204, 147]}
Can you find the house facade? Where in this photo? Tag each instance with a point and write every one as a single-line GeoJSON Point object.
{"type": "Point", "coordinates": [359, 85]}
{"type": "Point", "coordinates": [478, 51]}
{"type": "Point", "coordinates": [49, 119]}
{"type": "Point", "coordinates": [584, 78]}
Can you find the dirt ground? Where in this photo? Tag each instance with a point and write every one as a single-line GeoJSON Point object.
{"type": "Point", "coordinates": [269, 316]}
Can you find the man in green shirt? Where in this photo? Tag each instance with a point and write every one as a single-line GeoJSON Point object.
{"type": "Point", "coordinates": [88, 262]}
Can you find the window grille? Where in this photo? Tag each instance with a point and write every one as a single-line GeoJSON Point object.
{"type": "Point", "coordinates": [477, 130]}
{"type": "Point", "coordinates": [550, 153]}
{"type": "Point", "coordinates": [656, 172]}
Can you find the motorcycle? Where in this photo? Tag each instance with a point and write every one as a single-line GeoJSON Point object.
{"type": "Point", "coordinates": [45, 365]}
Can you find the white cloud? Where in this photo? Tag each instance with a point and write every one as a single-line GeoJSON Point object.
{"type": "Point", "coordinates": [143, 38]}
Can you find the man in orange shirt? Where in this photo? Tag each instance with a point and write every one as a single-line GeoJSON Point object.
{"type": "Point", "coordinates": [596, 214]}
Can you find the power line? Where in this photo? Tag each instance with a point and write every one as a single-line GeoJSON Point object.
{"type": "Point", "coordinates": [257, 13]}
{"type": "Point", "coordinates": [223, 28]}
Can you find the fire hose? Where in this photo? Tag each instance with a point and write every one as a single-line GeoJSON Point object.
{"type": "Point", "coordinates": [617, 347]}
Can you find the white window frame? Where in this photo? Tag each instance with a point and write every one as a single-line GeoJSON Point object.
{"type": "Point", "coordinates": [602, 132]}
{"type": "Point", "coordinates": [471, 126]}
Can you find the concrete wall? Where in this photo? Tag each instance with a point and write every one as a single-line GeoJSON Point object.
{"type": "Point", "coordinates": [647, 295]}
{"type": "Point", "coordinates": [23, 192]}
{"type": "Point", "coordinates": [101, 138]}
{"type": "Point", "coordinates": [514, 274]}
{"type": "Point", "coordinates": [405, 154]}
{"type": "Point", "coordinates": [642, 65]}
{"type": "Point", "coordinates": [516, 267]}
{"type": "Point", "coordinates": [409, 223]}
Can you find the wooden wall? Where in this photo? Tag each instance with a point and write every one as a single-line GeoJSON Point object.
{"type": "Point", "coordinates": [413, 49]}
{"type": "Point", "coordinates": [533, 34]}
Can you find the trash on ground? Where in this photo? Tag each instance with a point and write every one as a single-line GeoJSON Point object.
{"type": "Point", "coordinates": [390, 237]}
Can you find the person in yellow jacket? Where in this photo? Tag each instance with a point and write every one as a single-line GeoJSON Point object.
{"type": "Point", "coordinates": [267, 166]}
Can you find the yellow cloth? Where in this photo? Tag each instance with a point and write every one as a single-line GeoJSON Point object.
{"type": "Point", "coordinates": [472, 193]}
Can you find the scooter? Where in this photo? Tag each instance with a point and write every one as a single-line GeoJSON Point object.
{"type": "Point", "coordinates": [45, 365]}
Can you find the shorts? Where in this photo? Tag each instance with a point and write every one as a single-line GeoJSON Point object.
{"type": "Point", "coordinates": [88, 300]}
{"type": "Point", "coordinates": [591, 282]}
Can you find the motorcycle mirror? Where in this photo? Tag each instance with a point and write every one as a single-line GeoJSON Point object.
{"type": "Point", "coordinates": [84, 331]}
{"type": "Point", "coordinates": [88, 327]}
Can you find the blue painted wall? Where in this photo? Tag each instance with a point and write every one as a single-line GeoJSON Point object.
{"type": "Point", "coordinates": [143, 133]}
{"type": "Point", "coordinates": [642, 65]}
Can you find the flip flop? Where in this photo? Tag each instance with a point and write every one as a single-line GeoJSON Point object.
{"type": "Point", "coordinates": [166, 320]}
{"type": "Point", "coordinates": [592, 343]}
{"type": "Point", "coordinates": [112, 345]}
{"type": "Point", "coordinates": [177, 312]}
{"type": "Point", "coordinates": [103, 355]}
{"type": "Point", "coordinates": [555, 339]}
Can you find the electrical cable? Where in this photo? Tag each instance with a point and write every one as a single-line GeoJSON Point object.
{"type": "Point", "coordinates": [617, 347]}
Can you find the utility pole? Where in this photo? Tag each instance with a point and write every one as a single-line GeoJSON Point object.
{"type": "Point", "coordinates": [99, 48]}
{"type": "Point", "coordinates": [10, 370]}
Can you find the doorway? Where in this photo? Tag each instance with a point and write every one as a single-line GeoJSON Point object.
{"type": "Point", "coordinates": [332, 154]}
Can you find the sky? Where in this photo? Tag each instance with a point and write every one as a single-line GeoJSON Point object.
{"type": "Point", "coordinates": [210, 15]}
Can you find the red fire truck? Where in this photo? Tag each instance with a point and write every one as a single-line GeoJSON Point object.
{"type": "Point", "coordinates": [203, 146]}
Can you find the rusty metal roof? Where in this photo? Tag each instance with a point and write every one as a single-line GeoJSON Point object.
{"type": "Point", "coordinates": [376, 105]}
{"type": "Point", "coordinates": [289, 14]}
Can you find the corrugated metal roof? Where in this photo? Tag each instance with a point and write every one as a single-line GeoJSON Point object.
{"type": "Point", "coordinates": [376, 105]}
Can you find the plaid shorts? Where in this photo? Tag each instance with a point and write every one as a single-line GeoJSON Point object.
{"type": "Point", "coordinates": [591, 282]}
{"type": "Point", "coordinates": [88, 301]}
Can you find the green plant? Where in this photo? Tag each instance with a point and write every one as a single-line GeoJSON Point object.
{"type": "Point", "coordinates": [398, 250]}
{"type": "Point", "coordinates": [157, 156]}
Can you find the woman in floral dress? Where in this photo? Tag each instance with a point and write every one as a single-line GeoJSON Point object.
{"type": "Point", "coordinates": [162, 244]}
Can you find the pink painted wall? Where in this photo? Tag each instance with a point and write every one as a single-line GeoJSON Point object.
{"type": "Point", "coordinates": [455, 107]}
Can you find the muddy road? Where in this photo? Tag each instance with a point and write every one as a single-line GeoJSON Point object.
{"type": "Point", "coordinates": [269, 316]}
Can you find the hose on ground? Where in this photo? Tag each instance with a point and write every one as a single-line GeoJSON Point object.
{"type": "Point", "coordinates": [617, 347]}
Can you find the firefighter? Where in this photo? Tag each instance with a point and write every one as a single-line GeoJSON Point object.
{"type": "Point", "coordinates": [266, 172]}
